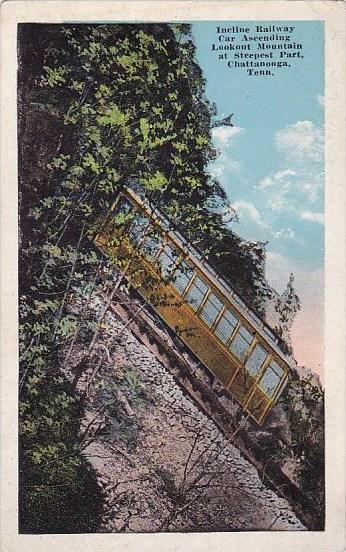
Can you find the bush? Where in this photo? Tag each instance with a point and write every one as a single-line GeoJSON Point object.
{"type": "Point", "coordinates": [58, 487]}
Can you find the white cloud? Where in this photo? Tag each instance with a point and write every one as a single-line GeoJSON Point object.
{"type": "Point", "coordinates": [278, 178]}
{"type": "Point", "coordinates": [277, 201]}
{"type": "Point", "coordinates": [250, 210]}
{"type": "Point", "coordinates": [223, 137]}
{"type": "Point", "coordinates": [312, 184]}
{"type": "Point", "coordinates": [312, 217]}
{"type": "Point", "coordinates": [301, 141]}
{"type": "Point", "coordinates": [303, 187]}
{"type": "Point", "coordinates": [299, 182]}
{"type": "Point", "coordinates": [220, 167]}
{"type": "Point", "coordinates": [287, 233]}
{"type": "Point", "coordinates": [224, 134]}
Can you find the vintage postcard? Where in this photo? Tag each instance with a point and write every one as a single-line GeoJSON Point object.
{"type": "Point", "coordinates": [173, 275]}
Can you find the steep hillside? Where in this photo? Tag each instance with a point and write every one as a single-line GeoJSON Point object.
{"type": "Point", "coordinates": [163, 465]}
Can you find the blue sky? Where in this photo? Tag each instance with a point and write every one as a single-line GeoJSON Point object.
{"type": "Point", "coordinates": [271, 162]}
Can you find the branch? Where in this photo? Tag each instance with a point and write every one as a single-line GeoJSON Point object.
{"type": "Point", "coordinates": [69, 280]}
{"type": "Point", "coordinates": [83, 311]}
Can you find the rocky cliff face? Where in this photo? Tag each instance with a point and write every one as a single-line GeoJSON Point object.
{"type": "Point", "coordinates": [162, 464]}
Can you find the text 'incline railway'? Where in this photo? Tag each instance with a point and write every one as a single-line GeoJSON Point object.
{"type": "Point", "coordinates": [232, 341]}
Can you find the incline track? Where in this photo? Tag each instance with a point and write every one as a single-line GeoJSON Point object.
{"type": "Point", "coordinates": [157, 337]}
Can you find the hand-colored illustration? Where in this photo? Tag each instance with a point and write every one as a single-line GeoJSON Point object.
{"type": "Point", "coordinates": [171, 277]}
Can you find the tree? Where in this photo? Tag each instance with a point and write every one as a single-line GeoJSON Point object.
{"type": "Point", "coordinates": [303, 402]}
{"type": "Point", "coordinates": [101, 107]}
{"type": "Point", "coordinates": [287, 306]}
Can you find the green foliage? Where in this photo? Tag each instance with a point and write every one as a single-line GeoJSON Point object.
{"type": "Point", "coordinates": [111, 394]}
{"type": "Point", "coordinates": [58, 491]}
{"type": "Point", "coordinates": [304, 403]}
{"type": "Point", "coordinates": [101, 106]}
{"type": "Point", "coordinates": [304, 400]}
{"type": "Point", "coordinates": [67, 325]}
{"type": "Point", "coordinates": [155, 182]}
{"type": "Point", "coordinates": [54, 76]}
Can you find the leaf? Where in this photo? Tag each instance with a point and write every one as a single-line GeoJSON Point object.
{"type": "Point", "coordinates": [144, 126]}
{"type": "Point", "coordinates": [112, 116]}
{"type": "Point", "coordinates": [93, 258]}
{"type": "Point", "coordinates": [113, 175]}
{"type": "Point", "coordinates": [128, 61]}
{"type": "Point", "coordinates": [122, 218]}
{"type": "Point", "coordinates": [105, 152]}
{"type": "Point", "coordinates": [54, 76]}
{"type": "Point", "coordinates": [77, 170]}
{"type": "Point", "coordinates": [90, 161]}
{"type": "Point", "coordinates": [155, 182]}
{"type": "Point", "coordinates": [44, 306]}
{"type": "Point", "coordinates": [47, 202]}
{"type": "Point", "coordinates": [67, 325]}
{"type": "Point", "coordinates": [103, 92]}
{"type": "Point", "coordinates": [54, 250]}
{"type": "Point", "coordinates": [60, 161]}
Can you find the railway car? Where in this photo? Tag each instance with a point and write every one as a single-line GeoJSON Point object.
{"type": "Point", "coordinates": [237, 347]}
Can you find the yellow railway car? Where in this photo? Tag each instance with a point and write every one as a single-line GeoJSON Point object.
{"type": "Point", "coordinates": [238, 348]}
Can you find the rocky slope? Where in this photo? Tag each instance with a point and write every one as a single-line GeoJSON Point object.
{"type": "Point", "coordinates": [162, 464]}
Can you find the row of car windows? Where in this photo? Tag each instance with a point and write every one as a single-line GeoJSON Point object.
{"type": "Point", "coordinates": [207, 305]}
